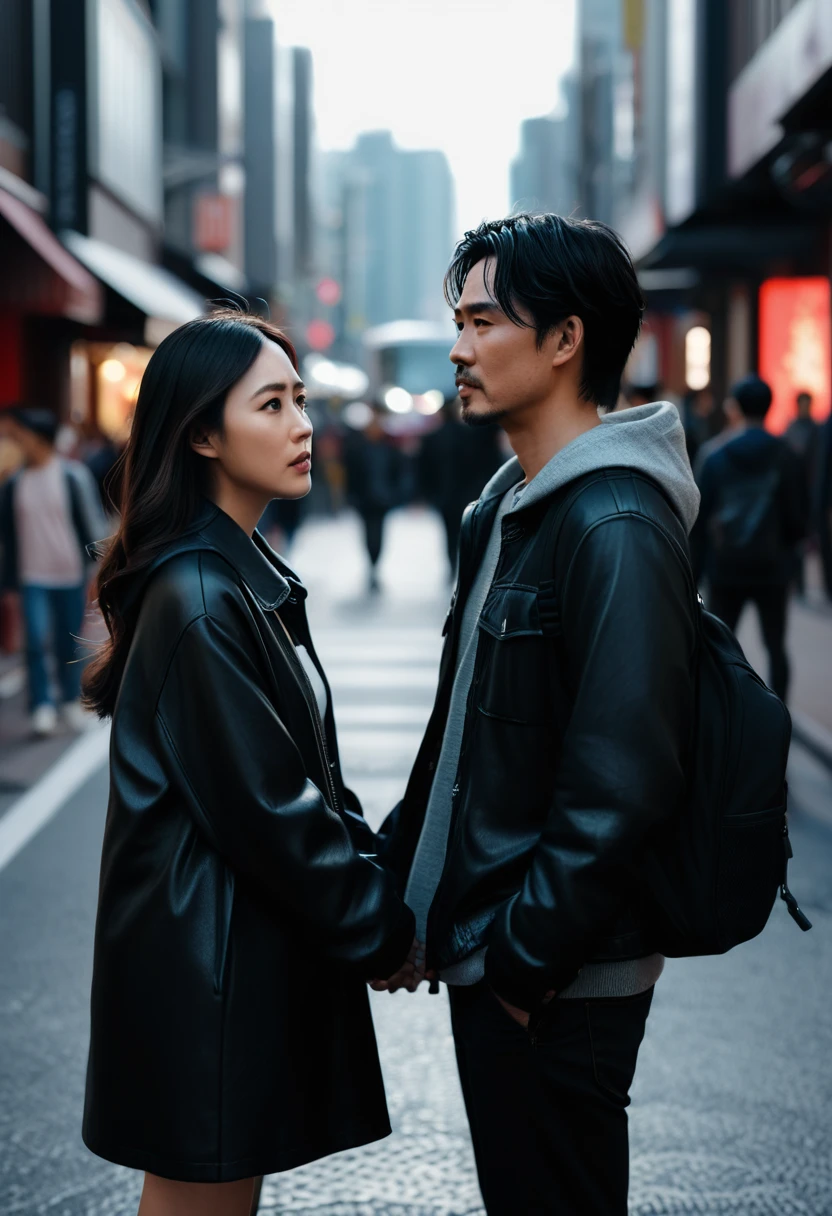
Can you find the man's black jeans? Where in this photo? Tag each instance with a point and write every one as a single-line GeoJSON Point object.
{"type": "Point", "coordinates": [548, 1117]}
{"type": "Point", "coordinates": [727, 602]}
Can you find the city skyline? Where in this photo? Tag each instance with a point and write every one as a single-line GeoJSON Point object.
{"type": "Point", "coordinates": [474, 118]}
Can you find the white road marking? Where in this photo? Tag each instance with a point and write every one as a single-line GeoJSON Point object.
{"type": "Point", "coordinates": [34, 809]}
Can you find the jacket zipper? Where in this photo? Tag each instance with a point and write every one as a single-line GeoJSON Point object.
{"type": "Point", "coordinates": [320, 737]}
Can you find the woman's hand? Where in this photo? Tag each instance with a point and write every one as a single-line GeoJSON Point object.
{"type": "Point", "coordinates": [409, 975]}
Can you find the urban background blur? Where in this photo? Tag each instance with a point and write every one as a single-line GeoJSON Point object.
{"type": "Point", "coordinates": [317, 160]}
{"type": "Point", "coordinates": [157, 155]}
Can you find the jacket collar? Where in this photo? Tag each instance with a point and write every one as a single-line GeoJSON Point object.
{"type": "Point", "coordinates": [253, 559]}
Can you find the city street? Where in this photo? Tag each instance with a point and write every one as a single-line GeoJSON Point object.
{"type": "Point", "coordinates": [733, 1099]}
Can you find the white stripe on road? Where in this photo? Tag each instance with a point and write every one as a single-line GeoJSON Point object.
{"type": "Point", "coordinates": [348, 675]}
{"type": "Point", "coordinates": [25, 818]}
{"type": "Point", "coordinates": [382, 717]}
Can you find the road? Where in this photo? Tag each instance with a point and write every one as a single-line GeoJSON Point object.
{"type": "Point", "coordinates": [733, 1097]}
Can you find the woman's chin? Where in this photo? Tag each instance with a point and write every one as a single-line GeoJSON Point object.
{"type": "Point", "coordinates": [302, 486]}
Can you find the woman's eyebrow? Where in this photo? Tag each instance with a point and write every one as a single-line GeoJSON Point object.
{"type": "Point", "coordinates": [278, 388]}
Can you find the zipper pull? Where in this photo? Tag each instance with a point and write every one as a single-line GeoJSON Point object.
{"type": "Point", "coordinates": [798, 916]}
{"type": "Point", "coordinates": [795, 912]}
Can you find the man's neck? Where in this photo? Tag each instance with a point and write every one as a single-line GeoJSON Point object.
{"type": "Point", "coordinates": [538, 433]}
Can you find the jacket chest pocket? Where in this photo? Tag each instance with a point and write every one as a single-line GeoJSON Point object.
{"type": "Point", "coordinates": [513, 682]}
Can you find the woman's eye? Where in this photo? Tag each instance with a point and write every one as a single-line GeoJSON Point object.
{"type": "Point", "coordinates": [274, 405]}
{"type": "Point", "coordinates": [301, 403]}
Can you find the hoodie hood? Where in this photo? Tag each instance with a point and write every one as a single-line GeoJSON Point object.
{"type": "Point", "coordinates": [649, 439]}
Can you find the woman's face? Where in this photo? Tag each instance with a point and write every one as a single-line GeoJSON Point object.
{"type": "Point", "coordinates": [265, 450]}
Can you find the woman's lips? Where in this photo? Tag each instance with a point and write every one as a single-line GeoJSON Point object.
{"type": "Point", "coordinates": [303, 464]}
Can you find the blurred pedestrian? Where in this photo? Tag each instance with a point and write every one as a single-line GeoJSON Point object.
{"type": "Point", "coordinates": [822, 505]}
{"type": "Point", "coordinates": [754, 512]}
{"type": "Point", "coordinates": [239, 916]}
{"type": "Point", "coordinates": [558, 741]}
{"type": "Point", "coordinates": [699, 419]}
{"type": "Point", "coordinates": [733, 423]}
{"type": "Point", "coordinates": [638, 394]}
{"type": "Point", "coordinates": [455, 463]}
{"type": "Point", "coordinates": [803, 437]}
{"type": "Point", "coordinates": [375, 483]}
{"type": "Point", "coordinates": [103, 461]}
{"type": "Point", "coordinates": [49, 517]}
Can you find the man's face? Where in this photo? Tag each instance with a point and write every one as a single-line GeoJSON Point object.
{"type": "Point", "coordinates": [500, 369]}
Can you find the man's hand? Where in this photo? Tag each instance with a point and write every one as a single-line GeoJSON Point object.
{"type": "Point", "coordinates": [520, 1016]}
{"type": "Point", "coordinates": [409, 975]}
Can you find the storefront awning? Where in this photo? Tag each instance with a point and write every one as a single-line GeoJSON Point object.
{"type": "Point", "coordinates": [164, 300]}
{"type": "Point", "coordinates": [39, 275]}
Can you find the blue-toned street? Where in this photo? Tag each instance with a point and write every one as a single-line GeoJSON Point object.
{"type": "Point", "coordinates": [733, 1096]}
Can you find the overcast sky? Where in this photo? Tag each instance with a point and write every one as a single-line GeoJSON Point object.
{"type": "Point", "coordinates": [459, 75]}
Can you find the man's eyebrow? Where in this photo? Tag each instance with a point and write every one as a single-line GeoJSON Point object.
{"type": "Point", "coordinates": [278, 388]}
{"type": "Point", "coordinates": [481, 306]}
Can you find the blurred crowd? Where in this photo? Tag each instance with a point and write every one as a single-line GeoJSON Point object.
{"type": "Point", "coordinates": [766, 510]}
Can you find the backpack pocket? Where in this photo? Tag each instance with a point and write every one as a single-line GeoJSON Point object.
{"type": "Point", "coordinates": [752, 863]}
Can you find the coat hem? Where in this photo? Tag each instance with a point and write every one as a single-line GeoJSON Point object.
{"type": "Point", "coordinates": [231, 1171]}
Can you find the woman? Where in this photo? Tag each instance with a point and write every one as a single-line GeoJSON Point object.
{"type": "Point", "coordinates": [239, 915]}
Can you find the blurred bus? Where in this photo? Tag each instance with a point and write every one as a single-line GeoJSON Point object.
{"type": "Point", "coordinates": [412, 355]}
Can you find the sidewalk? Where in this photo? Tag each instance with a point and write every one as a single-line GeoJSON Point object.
{"type": "Point", "coordinates": [809, 646]}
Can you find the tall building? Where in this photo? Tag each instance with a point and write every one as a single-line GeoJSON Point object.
{"type": "Point", "coordinates": [726, 203]}
{"type": "Point", "coordinates": [389, 233]}
{"type": "Point", "coordinates": [544, 176]}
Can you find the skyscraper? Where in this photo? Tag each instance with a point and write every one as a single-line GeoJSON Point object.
{"type": "Point", "coordinates": [390, 234]}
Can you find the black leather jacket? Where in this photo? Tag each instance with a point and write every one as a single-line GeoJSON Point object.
{"type": "Point", "coordinates": [237, 919]}
{"type": "Point", "coordinates": [577, 730]}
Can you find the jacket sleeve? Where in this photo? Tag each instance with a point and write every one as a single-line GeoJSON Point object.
{"type": "Point", "coordinates": [238, 769]}
{"type": "Point", "coordinates": [629, 634]}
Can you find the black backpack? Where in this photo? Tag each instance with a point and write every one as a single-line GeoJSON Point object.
{"type": "Point", "coordinates": [712, 876]}
{"type": "Point", "coordinates": [745, 528]}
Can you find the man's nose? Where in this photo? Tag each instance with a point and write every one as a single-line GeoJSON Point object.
{"type": "Point", "coordinates": [460, 352]}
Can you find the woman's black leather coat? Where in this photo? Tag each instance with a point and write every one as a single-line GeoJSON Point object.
{"type": "Point", "coordinates": [238, 919]}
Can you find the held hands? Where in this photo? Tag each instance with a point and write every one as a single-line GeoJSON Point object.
{"type": "Point", "coordinates": [409, 975]}
{"type": "Point", "coordinates": [520, 1015]}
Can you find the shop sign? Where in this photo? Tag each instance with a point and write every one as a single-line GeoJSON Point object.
{"type": "Point", "coordinates": [795, 351]}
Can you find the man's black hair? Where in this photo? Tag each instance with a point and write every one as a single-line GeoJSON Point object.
{"type": "Point", "coordinates": [41, 422]}
{"type": "Point", "coordinates": [753, 396]}
{"type": "Point", "coordinates": [550, 268]}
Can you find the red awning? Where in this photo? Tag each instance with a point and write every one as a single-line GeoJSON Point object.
{"type": "Point", "coordinates": [37, 274]}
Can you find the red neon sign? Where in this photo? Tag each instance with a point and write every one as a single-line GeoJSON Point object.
{"type": "Point", "coordinates": [795, 352]}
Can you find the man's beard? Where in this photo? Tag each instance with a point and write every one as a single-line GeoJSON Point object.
{"type": "Point", "coordinates": [472, 419]}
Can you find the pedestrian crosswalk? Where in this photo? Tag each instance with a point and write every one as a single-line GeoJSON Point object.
{"type": "Point", "coordinates": [383, 686]}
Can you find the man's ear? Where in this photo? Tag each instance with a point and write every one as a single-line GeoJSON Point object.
{"type": "Point", "coordinates": [202, 444]}
{"type": "Point", "coordinates": [570, 336]}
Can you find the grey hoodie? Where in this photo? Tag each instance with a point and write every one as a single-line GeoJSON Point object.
{"type": "Point", "coordinates": [647, 438]}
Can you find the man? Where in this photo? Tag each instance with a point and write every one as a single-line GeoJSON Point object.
{"type": "Point", "coordinates": [375, 484]}
{"type": "Point", "coordinates": [699, 418]}
{"type": "Point", "coordinates": [454, 464]}
{"type": "Point", "coordinates": [49, 515]}
{"type": "Point", "coordinates": [822, 505]}
{"type": "Point", "coordinates": [733, 425]}
{"type": "Point", "coordinates": [558, 741]}
{"type": "Point", "coordinates": [803, 437]}
{"type": "Point", "coordinates": [754, 512]}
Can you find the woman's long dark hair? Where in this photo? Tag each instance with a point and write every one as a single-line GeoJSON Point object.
{"type": "Point", "coordinates": [184, 389]}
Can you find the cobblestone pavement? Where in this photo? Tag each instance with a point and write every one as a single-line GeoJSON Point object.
{"type": "Point", "coordinates": [733, 1097]}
